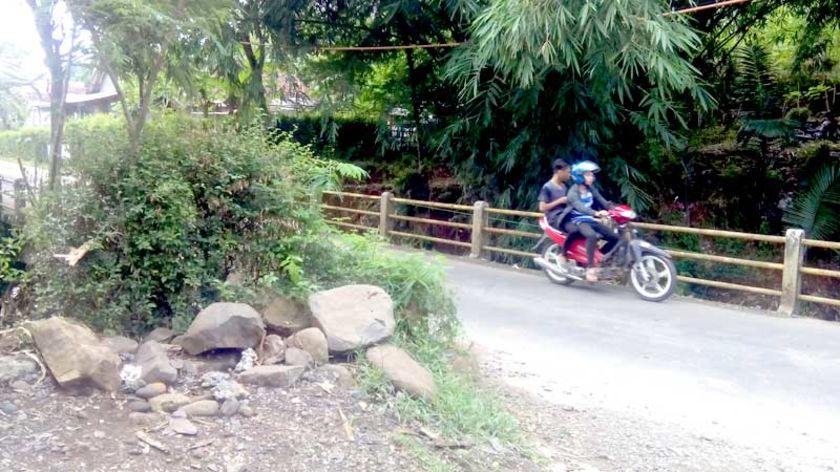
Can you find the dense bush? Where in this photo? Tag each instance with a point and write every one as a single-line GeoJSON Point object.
{"type": "Point", "coordinates": [28, 144]}
{"type": "Point", "coordinates": [204, 200]}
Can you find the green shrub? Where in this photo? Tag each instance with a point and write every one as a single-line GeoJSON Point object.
{"type": "Point", "coordinates": [203, 200]}
{"type": "Point", "coordinates": [28, 144]}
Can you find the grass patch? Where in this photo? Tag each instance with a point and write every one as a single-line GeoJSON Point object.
{"type": "Point", "coordinates": [428, 460]}
{"type": "Point", "coordinates": [461, 409]}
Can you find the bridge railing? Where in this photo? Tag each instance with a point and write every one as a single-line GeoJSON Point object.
{"type": "Point", "coordinates": [379, 213]}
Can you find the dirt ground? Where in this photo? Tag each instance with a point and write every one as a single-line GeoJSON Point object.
{"type": "Point", "coordinates": [313, 426]}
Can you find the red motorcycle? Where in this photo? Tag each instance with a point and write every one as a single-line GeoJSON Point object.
{"type": "Point", "coordinates": [649, 269]}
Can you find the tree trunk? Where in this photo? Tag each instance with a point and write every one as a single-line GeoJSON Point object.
{"type": "Point", "coordinates": [59, 81]}
{"type": "Point", "coordinates": [415, 105]}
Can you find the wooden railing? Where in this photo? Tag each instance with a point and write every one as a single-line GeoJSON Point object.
{"type": "Point", "coordinates": [382, 211]}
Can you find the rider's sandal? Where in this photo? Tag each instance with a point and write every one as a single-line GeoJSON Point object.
{"type": "Point", "coordinates": [591, 275]}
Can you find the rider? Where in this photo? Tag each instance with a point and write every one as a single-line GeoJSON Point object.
{"type": "Point", "coordinates": [553, 194]}
{"type": "Point", "coordinates": [581, 216]}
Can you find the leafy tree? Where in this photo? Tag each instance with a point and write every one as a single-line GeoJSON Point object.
{"type": "Point", "coordinates": [542, 78]}
{"type": "Point", "coordinates": [137, 41]}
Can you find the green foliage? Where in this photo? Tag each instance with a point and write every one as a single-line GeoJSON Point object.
{"type": "Point", "coordinates": [542, 78]}
{"type": "Point", "coordinates": [202, 200]}
{"type": "Point", "coordinates": [461, 408]}
{"type": "Point", "coordinates": [816, 209]}
{"type": "Point", "coordinates": [28, 144]}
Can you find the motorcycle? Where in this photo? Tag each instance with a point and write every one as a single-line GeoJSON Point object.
{"type": "Point", "coordinates": [650, 270]}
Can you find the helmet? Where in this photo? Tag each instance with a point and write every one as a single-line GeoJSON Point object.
{"type": "Point", "coordinates": [581, 168]}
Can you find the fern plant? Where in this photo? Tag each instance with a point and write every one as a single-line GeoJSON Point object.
{"type": "Point", "coordinates": [817, 209]}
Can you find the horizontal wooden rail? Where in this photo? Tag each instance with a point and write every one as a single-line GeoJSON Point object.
{"type": "Point", "coordinates": [351, 210]}
{"type": "Point", "coordinates": [429, 238]}
{"type": "Point", "coordinates": [820, 300]}
{"type": "Point", "coordinates": [480, 228]}
{"type": "Point", "coordinates": [726, 260]}
{"type": "Point", "coordinates": [820, 272]}
{"type": "Point", "coordinates": [821, 244]}
{"type": "Point", "coordinates": [444, 206]}
{"type": "Point", "coordinates": [729, 286]}
{"type": "Point", "coordinates": [432, 222]}
{"type": "Point", "coordinates": [352, 195]}
{"type": "Point", "coordinates": [349, 225]}
{"type": "Point", "coordinates": [523, 214]}
{"type": "Point", "coordinates": [712, 232]}
{"type": "Point", "coordinates": [512, 232]}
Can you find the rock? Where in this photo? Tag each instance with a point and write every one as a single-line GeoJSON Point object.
{"type": "Point", "coordinates": [201, 408]}
{"type": "Point", "coordinates": [179, 413]}
{"type": "Point", "coordinates": [247, 411]}
{"type": "Point", "coordinates": [466, 365]}
{"type": "Point", "coordinates": [8, 408]}
{"type": "Point", "coordinates": [152, 358]}
{"type": "Point", "coordinates": [286, 315]}
{"type": "Point", "coordinates": [152, 390]}
{"type": "Point", "coordinates": [403, 371]}
{"type": "Point", "coordinates": [139, 406]}
{"type": "Point", "coordinates": [143, 419]}
{"type": "Point", "coordinates": [338, 374]}
{"type": "Point", "coordinates": [230, 407]}
{"type": "Point", "coordinates": [273, 350]}
{"type": "Point", "coordinates": [248, 359]}
{"type": "Point", "coordinates": [183, 426]}
{"type": "Point", "coordinates": [353, 316]}
{"type": "Point", "coordinates": [272, 375]}
{"type": "Point", "coordinates": [16, 367]}
{"type": "Point", "coordinates": [20, 386]}
{"type": "Point", "coordinates": [161, 335]}
{"type": "Point", "coordinates": [313, 341]}
{"type": "Point", "coordinates": [169, 402]}
{"type": "Point", "coordinates": [216, 362]}
{"type": "Point", "coordinates": [223, 386]}
{"type": "Point", "coordinates": [74, 355]}
{"type": "Point", "coordinates": [295, 356]}
{"type": "Point", "coordinates": [120, 344]}
{"type": "Point", "coordinates": [224, 326]}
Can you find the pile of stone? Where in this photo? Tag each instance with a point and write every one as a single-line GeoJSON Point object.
{"type": "Point", "coordinates": [229, 348]}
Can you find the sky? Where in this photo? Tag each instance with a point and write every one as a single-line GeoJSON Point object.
{"type": "Point", "coordinates": [17, 27]}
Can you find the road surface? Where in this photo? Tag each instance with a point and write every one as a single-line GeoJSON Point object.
{"type": "Point", "coordinates": [770, 385]}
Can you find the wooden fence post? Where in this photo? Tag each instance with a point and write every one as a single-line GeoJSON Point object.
{"type": "Point", "coordinates": [386, 209]}
{"type": "Point", "coordinates": [791, 276]}
{"type": "Point", "coordinates": [479, 222]}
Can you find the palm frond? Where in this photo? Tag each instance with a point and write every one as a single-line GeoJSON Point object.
{"type": "Point", "coordinates": [817, 209]}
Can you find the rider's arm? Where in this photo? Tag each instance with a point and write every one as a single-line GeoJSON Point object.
{"type": "Point", "coordinates": [574, 202]}
{"type": "Point", "coordinates": [605, 204]}
{"type": "Point", "coordinates": [546, 206]}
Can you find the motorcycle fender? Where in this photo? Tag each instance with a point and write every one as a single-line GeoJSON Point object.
{"type": "Point", "coordinates": [639, 247]}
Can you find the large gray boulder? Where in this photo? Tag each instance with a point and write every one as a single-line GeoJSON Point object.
{"type": "Point", "coordinates": [313, 341]}
{"type": "Point", "coordinates": [120, 344]}
{"type": "Point", "coordinates": [286, 315]}
{"type": "Point", "coordinates": [154, 363]}
{"type": "Point", "coordinates": [403, 371]}
{"type": "Point", "coordinates": [74, 355]}
{"type": "Point", "coordinates": [353, 316]}
{"type": "Point", "coordinates": [224, 326]}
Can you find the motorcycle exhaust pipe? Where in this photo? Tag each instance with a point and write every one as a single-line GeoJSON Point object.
{"type": "Point", "coordinates": [553, 269]}
{"type": "Point", "coordinates": [545, 265]}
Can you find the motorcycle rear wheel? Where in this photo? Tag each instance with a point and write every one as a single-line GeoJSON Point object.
{"type": "Point", "coordinates": [550, 255]}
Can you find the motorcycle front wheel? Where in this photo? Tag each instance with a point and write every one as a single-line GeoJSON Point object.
{"type": "Point", "coordinates": [551, 255]}
{"type": "Point", "coordinates": [653, 277]}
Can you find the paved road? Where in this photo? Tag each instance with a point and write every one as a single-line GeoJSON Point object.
{"type": "Point", "coordinates": [769, 383]}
